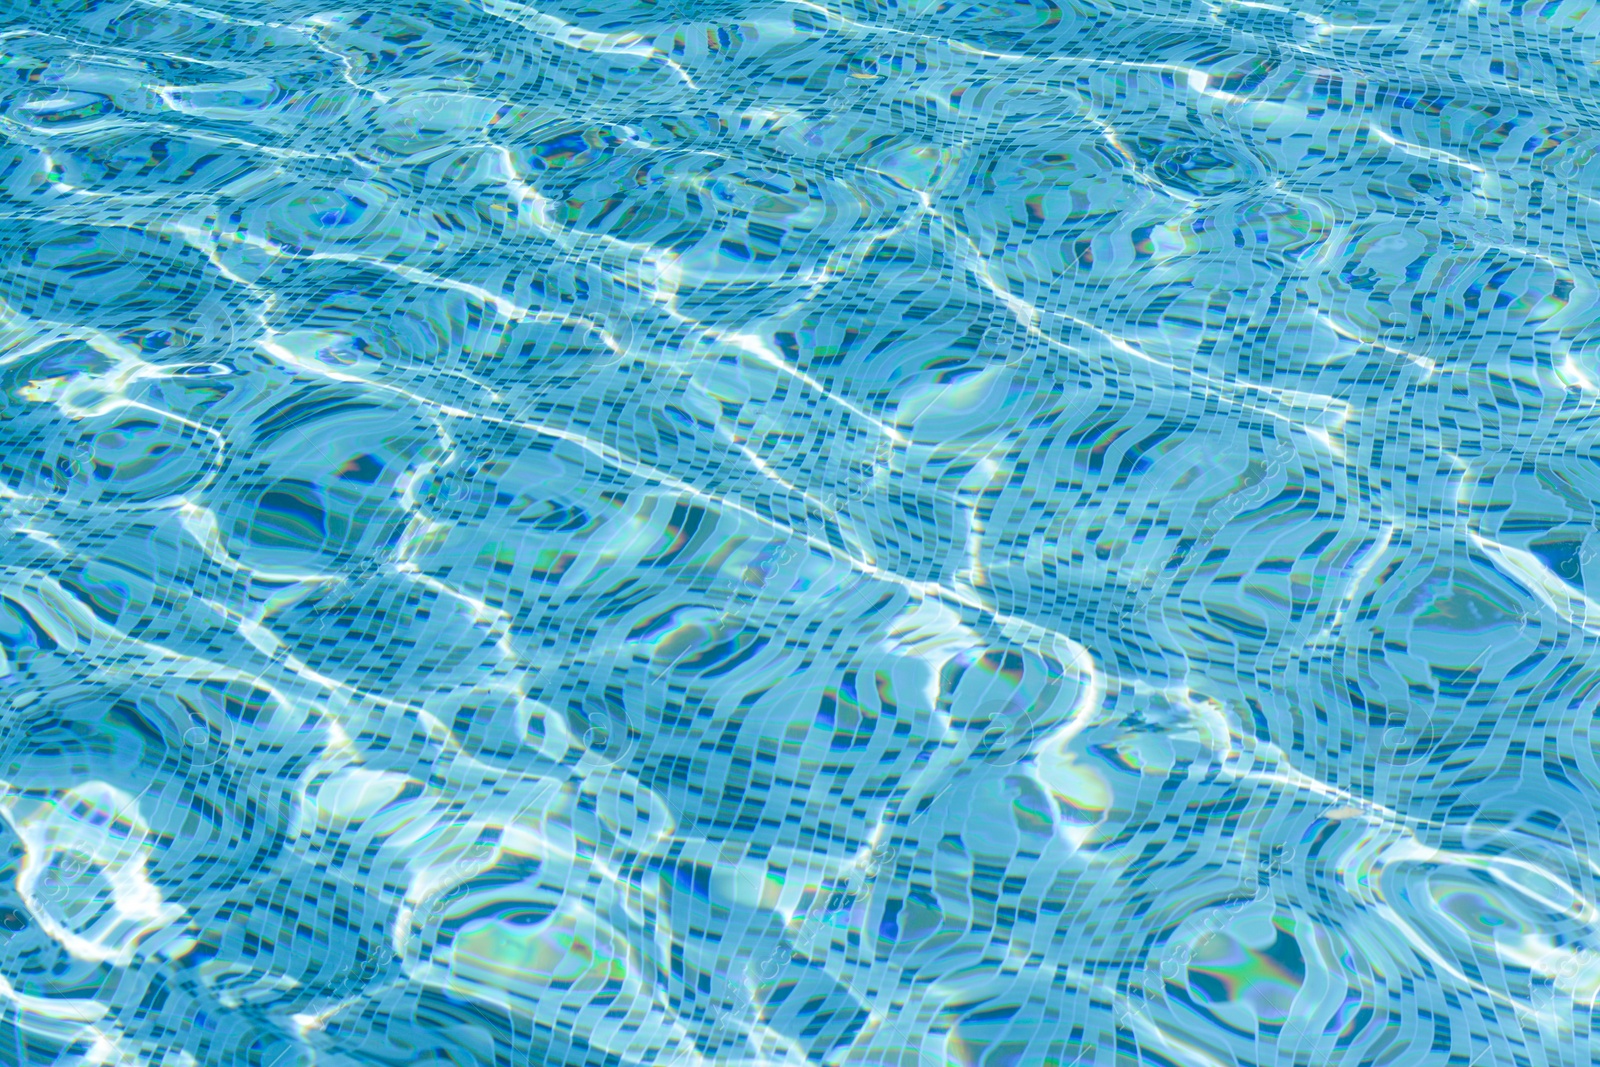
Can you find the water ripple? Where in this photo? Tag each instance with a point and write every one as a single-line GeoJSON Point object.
{"type": "Point", "coordinates": [700, 531]}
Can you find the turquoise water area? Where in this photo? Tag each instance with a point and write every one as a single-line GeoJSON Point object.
{"type": "Point", "coordinates": [901, 533]}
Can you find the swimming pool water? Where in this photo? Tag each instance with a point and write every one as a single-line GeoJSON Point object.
{"type": "Point", "coordinates": [799, 532]}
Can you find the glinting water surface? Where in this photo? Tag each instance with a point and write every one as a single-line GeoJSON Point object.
{"type": "Point", "coordinates": [799, 532]}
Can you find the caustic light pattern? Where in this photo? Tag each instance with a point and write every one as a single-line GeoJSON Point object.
{"type": "Point", "coordinates": [902, 533]}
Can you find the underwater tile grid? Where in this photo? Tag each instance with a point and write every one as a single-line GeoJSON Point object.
{"type": "Point", "coordinates": [901, 533]}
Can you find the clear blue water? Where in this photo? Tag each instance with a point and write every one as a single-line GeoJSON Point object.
{"type": "Point", "coordinates": [914, 534]}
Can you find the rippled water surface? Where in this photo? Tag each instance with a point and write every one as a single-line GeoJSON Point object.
{"type": "Point", "coordinates": [906, 533]}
